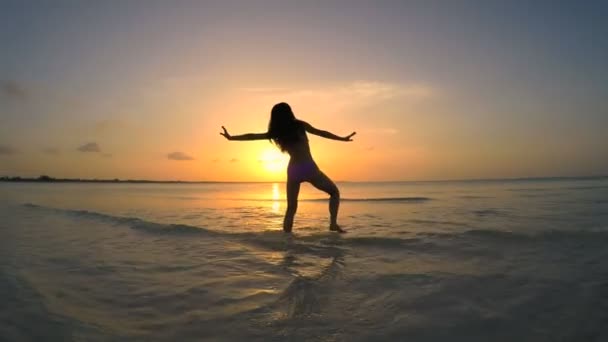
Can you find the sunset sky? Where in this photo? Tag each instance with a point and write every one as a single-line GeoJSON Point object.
{"type": "Point", "coordinates": [434, 89]}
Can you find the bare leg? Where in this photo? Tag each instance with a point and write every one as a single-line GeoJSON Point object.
{"type": "Point", "coordinates": [323, 183]}
{"type": "Point", "coordinates": [293, 189]}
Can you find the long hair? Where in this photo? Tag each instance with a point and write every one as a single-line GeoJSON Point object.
{"type": "Point", "coordinates": [284, 129]}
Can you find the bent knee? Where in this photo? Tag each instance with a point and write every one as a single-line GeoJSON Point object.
{"type": "Point", "coordinates": [334, 192]}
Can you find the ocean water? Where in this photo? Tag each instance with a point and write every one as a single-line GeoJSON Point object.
{"type": "Point", "coordinates": [516, 260]}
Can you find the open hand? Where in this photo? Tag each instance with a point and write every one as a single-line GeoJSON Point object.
{"type": "Point", "coordinates": [349, 137]}
{"type": "Point", "coordinates": [225, 133]}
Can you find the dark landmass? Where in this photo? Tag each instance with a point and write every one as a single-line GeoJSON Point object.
{"type": "Point", "coordinates": [47, 179]}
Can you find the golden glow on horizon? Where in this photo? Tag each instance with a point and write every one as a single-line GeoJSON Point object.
{"type": "Point", "coordinates": [273, 160]}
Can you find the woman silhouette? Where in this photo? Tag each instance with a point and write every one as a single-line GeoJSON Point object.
{"type": "Point", "coordinates": [289, 134]}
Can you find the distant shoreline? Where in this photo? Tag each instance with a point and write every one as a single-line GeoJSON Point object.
{"type": "Point", "coordinates": [47, 179]}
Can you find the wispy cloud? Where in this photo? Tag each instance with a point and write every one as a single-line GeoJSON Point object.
{"type": "Point", "coordinates": [51, 151]}
{"type": "Point", "coordinates": [179, 156]}
{"type": "Point", "coordinates": [12, 90]}
{"type": "Point", "coordinates": [89, 147]}
{"type": "Point", "coordinates": [383, 131]}
{"type": "Point", "coordinates": [264, 90]}
{"type": "Point", "coordinates": [356, 92]}
{"type": "Point", "coordinates": [382, 90]}
{"type": "Point", "coordinates": [234, 160]}
{"type": "Point", "coordinates": [6, 150]}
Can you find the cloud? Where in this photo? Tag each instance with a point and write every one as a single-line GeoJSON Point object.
{"type": "Point", "coordinates": [354, 93]}
{"type": "Point", "coordinates": [178, 156]}
{"type": "Point", "coordinates": [7, 150]}
{"type": "Point", "coordinates": [89, 147]}
{"type": "Point", "coordinates": [388, 90]}
{"type": "Point", "coordinates": [233, 160]}
{"type": "Point", "coordinates": [380, 130]}
{"type": "Point", "coordinates": [264, 90]}
{"type": "Point", "coordinates": [346, 97]}
{"type": "Point", "coordinates": [216, 160]}
{"type": "Point", "coordinates": [10, 89]}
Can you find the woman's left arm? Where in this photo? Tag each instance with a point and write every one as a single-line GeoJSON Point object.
{"type": "Point", "coordinates": [325, 134]}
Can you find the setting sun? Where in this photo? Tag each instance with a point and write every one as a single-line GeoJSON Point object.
{"type": "Point", "coordinates": [273, 160]}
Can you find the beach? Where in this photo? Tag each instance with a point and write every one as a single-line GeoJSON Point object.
{"type": "Point", "coordinates": [495, 260]}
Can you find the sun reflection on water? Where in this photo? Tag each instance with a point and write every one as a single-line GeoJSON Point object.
{"type": "Point", "coordinates": [276, 197]}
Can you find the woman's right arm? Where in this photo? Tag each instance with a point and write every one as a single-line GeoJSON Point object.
{"type": "Point", "coordinates": [247, 136]}
{"type": "Point", "coordinates": [325, 134]}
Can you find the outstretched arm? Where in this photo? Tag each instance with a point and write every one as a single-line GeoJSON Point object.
{"type": "Point", "coordinates": [326, 134]}
{"type": "Point", "coordinates": [248, 136]}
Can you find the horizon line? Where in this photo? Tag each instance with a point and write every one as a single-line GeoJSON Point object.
{"type": "Point", "coordinates": [48, 179]}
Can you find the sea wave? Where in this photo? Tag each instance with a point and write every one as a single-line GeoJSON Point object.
{"type": "Point", "coordinates": [429, 241]}
{"type": "Point", "coordinates": [131, 222]}
{"type": "Point", "coordinates": [377, 199]}
{"type": "Point", "coordinates": [423, 239]}
{"type": "Point", "coordinates": [573, 236]}
{"type": "Point", "coordinates": [347, 199]}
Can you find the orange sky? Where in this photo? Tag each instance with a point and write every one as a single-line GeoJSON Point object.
{"type": "Point", "coordinates": [140, 90]}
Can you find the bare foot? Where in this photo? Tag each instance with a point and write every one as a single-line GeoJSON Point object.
{"type": "Point", "coordinates": [336, 228]}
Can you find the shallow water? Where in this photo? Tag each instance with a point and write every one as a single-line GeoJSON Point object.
{"type": "Point", "coordinates": [423, 261]}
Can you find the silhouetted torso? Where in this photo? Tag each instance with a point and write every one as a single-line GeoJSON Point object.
{"type": "Point", "coordinates": [299, 151]}
{"type": "Point", "coordinates": [301, 164]}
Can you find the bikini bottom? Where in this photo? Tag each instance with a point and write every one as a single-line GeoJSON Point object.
{"type": "Point", "coordinates": [302, 171]}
